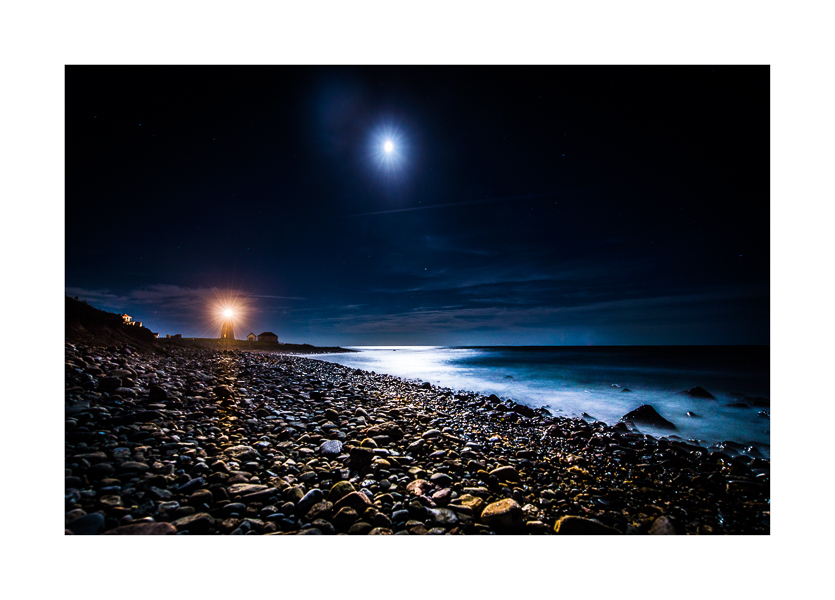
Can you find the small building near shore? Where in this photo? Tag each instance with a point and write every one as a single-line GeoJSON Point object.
{"type": "Point", "coordinates": [126, 319]}
{"type": "Point", "coordinates": [251, 337]}
{"type": "Point", "coordinates": [268, 336]}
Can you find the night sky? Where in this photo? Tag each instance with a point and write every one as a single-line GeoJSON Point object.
{"type": "Point", "coordinates": [519, 206]}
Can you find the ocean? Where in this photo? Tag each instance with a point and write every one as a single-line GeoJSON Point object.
{"type": "Point", "coordinates": [573, 381]}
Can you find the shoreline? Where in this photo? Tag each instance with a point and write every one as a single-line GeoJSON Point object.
{"type": "Point", "coordinates": [729, 425]}
{"type": "Point", "coordinates": [206, 441]}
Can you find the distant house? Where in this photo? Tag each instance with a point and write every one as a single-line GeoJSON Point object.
{"type": "Point", "coordinates": [268, 336]}
{"type": "Point", "coordinates": [250, 337]}
{"type": "Point", "coordinates": [126, 319]}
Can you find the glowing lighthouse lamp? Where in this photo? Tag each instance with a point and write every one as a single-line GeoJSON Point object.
{"type": "Point", "coordinates": [227, 332]}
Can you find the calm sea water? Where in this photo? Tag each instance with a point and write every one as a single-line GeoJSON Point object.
{"type": "Point", "coordinates": [570, 381]}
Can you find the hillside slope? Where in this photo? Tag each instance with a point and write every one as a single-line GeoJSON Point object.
{"type": "Point", "coordinates": [87, 324]}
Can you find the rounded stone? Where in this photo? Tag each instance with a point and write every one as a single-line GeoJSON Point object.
{"type": "Point", "coordinates": [196, 523]}
{"type": "Point", "coordinates": [310, 498]}
{"type": "Point", "coordinates": [331, 448]}
{"type": "Point", "coordinates": [359, 528]}
{"type": "Point", "coordinates": [356, 500]}
{"type": "Point", "coordinates": [504, 514]}
{"type": "Point", "coordinates": [92, 524]}
{"type": "Point", "coordinates": [340, 490]}
{"type": "Point", "coordinates": [506, 473]}
{"type": "Point", "coordinates": [571, 525]}
{"type": "Point", "coordinates": [662, 526]}
{"type": "Point", "coordinates": [143, 529]}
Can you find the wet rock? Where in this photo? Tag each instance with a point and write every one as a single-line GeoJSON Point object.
{"type": "Point", "coordinates": [361, 457]}
{"type": "Point", "coordinates": [359, 528]}
{"type": "Point", "coordinates": [157, 394]}
{"type": "Point", "coordinates": [312, 497]}
{"type": "Point", "coordinates": [390, 430]}
{"type": "Point", "coordinates": [196, 523]}
{"type": "Point", "coordinates": [320, 510]}
{"type": "Point", "coordinates": [441, 480]}
{"type": "Point", "coordinates": [310, 531]}
{"type": "Point", "coordinates": [506, 473]}
{"type": "Point", "coordinates": [294, 494]}
{"type": "Point", "coordinates": [356, 500]}
{"type": "Point", "coordinates": [340, 490]}
{"type": "Point", "coordinates": [380, 531]}
{"type": "Point", "coordinates": [241, 489]}
{"type": "Point", "coordinates": [442, 517]}
{"type": "Point", "coordinates": [420, 487]}
{"type": "Point", "coordinates": [662, 526]}
{"type": "Point", "coordinates": [525, 411]}
{"type": "Point", "coordinates": [224, 392]}
{"type": "Point", "coordinates": [442, 497]}
{"type": "Point", "coordinates": [241, 453]}
{"type": "Point", "coordinates": [647, 415]}
{"type": "Point", "coordinates": [109, 384]}
{"type": "Point", "coordinates": [101, 470]}
{"type": "Point", "coordinates": [344, 518]}
{"type": "Point", "coordinates": [698, 392]}
{"type": "Point", "coordinates": [571, 525]}
{"type": "Point", "coordinates": [475, 504]}
{"type": "Point", "coordinates": [324, 526]}
{"type": "Point", "coordinates": [92, 524]}
{"type": "Point", "coordinates": [143, 529]}
{"type": "Point", "coordinates": [504, 515]}
{"type": "Point", "coordinates": [331, 448]}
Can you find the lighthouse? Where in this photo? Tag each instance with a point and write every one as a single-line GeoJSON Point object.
{"type": "Point", "coordinates": [227, 332]}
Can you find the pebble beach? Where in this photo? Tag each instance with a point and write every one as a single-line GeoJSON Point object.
{"type": "Point", "coordinates": [191, 441]}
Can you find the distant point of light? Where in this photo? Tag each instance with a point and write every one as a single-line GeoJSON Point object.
{"type": "Point", "coordinates": [388, 150]}
{"type": "Point", "coordinates": [227, 313]}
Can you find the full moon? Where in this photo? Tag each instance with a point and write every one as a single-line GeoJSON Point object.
{"type": "Point", "coordinates": [388, 147]}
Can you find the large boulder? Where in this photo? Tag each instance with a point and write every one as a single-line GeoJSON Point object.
{"type": "Point", "coordinates": [698, 392]}
{"type": "Point", "coordinates": [647, 415]}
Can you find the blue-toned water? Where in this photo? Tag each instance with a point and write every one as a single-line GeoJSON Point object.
{"type": "Point", "coordinates": [570, 381]}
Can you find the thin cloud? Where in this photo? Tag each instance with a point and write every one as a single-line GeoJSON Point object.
{"type": "Point", "coordinates": [276, 297]}
{"type": "Point", "coordinates": [666, 309]}
{"type": "Point", "coordinates": [171, 297]}
{"type": "Point", "coordinates": [483, 201]}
